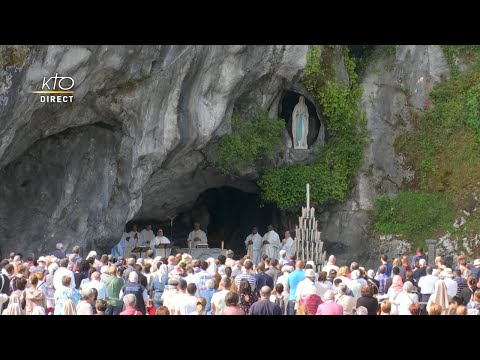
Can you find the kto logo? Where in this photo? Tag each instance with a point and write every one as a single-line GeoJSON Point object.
{"type": "Point", "coordinates": [60, 85]}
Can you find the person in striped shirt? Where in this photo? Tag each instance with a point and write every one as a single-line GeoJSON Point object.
{"type": "Point", "coordinates": [461, 282]}
{"type": "Point", "coordinates": [202, 277]}
{"type": "Point", "coordinates": [247, 274]}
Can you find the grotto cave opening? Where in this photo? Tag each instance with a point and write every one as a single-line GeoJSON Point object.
{"type": "Point", "coordinates": [225, 214]}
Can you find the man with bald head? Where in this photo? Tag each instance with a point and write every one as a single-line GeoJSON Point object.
{"type": "Point", "coordinates": [331, 264]}
{"type": "Point", "coordinates": [264, 306]}
{"type": "Point", "coordinates": [97, 284]}
{"type": "Point", "coordinates": [329, 307]}
{"type": "Point", "coordinates": [292, 282]}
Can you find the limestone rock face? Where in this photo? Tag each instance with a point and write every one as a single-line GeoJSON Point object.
{"type": "Point", "coordinates": [393, 88]}
{"type": "Point", "coordinates": [134, 142]}
{"type": "Point", "coordinates": [130, 143]}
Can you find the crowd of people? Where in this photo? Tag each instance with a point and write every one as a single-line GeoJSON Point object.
{"type": "Point", "coordinates": [70, 284]}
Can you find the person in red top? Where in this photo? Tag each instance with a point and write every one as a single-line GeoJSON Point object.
{"type": "Point", "coordinates": [129, 301]}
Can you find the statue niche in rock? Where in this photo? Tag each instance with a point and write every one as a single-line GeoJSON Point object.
{"type": "Point", "coordinates": [300, 124]}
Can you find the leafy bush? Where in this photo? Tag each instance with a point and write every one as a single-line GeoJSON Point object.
{"type": "Point", "coordinates": [250, 141]}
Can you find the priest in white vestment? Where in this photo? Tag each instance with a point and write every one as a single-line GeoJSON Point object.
{"type": "Point", "coordinates": [160, 239]}
{"type": "Point", "coordinates": [197, 236]}
{"type": "Point", "coordinates": [287, 244]}
{"type": "Point", "coordinates": [147, 234]}
{"type": "Point", "coordinates": [254, 243]}
{"type": "Point", "coordinates": [135, 236]}
{"type": "Point", "coordinates": [271, 243]}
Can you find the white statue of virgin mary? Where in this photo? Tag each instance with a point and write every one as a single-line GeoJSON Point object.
{"type": "Point", "coordinates": [300, 124]}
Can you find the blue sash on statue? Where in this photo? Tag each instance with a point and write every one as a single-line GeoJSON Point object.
{"type": "Point", "coordinates": [300, 128]}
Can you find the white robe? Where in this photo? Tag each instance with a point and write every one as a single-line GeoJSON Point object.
{"type": "Point", "coordinates": [197, 233]}
{"type": "Point", "coordinates": [160, 252]}
{"type": "Point", "coordinates": [289, 246]}
{"type": "Point", "coordinates": [273, 247]}
{"type": "Point", "coordinates": [254, 250]}
{"type": "Point", "coordinates": [147, 235]}
{"type": "Point", "coordinates": [133, 241]}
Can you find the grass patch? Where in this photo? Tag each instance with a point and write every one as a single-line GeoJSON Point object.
{"type": "Point", "coordinates": [417, 216]}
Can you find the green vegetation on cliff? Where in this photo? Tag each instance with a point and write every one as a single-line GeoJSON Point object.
{"type": "Point", "coordinates": [331, 172]}
{"type": "Point", "coordinates": [444, 150]}
{"type": "Point", "coordinates": [418, 216]}
{"type": "Point", "coordinates": [253, 138]}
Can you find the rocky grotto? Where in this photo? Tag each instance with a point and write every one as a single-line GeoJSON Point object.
{"type": "Point", "coordinates": [133, 145]}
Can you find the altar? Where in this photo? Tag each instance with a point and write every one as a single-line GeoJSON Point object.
{"type": "Point", "coordinates": [202, 253]}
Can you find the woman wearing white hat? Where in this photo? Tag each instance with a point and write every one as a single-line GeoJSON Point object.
{"type": "Point", "coordinates": [452, 286]}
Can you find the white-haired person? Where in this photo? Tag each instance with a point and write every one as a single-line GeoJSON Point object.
{"type": "Point", "coordinates": [308, 292]}
{"type": "Point", "coordinates": [212, 267]}
{"type": "Point", "coordinates": [87, 304]}
{"type": "Point", "coordinates": [405, 299]}
{"type": "Point", "coordinates": [138, 290]}
{"type": "Point", "coordinates": [347, 302]}
{"type": "Point", "coordinates": [331, 264]}
{"type": "Point", "coordinates": [93, 255]}
{"type": "Point", "coordinates": [187, 257]}
{"type": "Point", "coordinates": [130, 301]}
{"type": "Point", "coordinates": [354, 284]}
{"type": "Point", "coordinates": [329, 307]}
{"type": "Point", "coordinates": [286, 270]}
{"type": "Point", "coordinates": [58, 252]}
{"type": "Point", "coordinates": [230, 262]}
{"type": "Point", "coordinates": [97, 284]}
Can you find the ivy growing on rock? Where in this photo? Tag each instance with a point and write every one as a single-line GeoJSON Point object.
{"type": "Point", "coordinates": [254, 137]}
{"type": "Point", "coordinates": [331, 172]}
